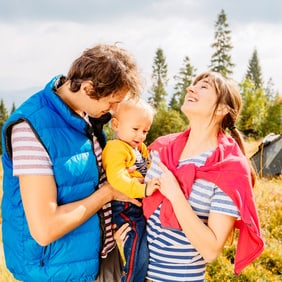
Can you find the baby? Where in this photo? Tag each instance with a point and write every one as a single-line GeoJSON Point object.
{"type": "Point", "coordinates": [131, 123]}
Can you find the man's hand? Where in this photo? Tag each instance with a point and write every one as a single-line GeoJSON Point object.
{"type": "Point", "coordinates": [118, 196]}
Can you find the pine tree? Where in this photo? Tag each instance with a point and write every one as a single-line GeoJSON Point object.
{"type": "Point", "coordinates": [3, 118]}
{"type": "Point", "coordinates": [159, 79]}
{"type": "Point", "coordinates": [13, 108]}
{"type": "Point", "coordinates": [273, 120]}
{"type": "Point", "coordinates": [254, 111]}
{"type": "Point", "coordinates": [269, 90]}
{"type": "Point", "coordinates": [221, 58]}
{"type": "Point", "coordinates": [183, 80]}
{"type": "Point", "coordinates": [254, 70]}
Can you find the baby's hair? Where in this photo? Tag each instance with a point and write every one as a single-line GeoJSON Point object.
{"type": "Point", "coordinates": [137, 103]}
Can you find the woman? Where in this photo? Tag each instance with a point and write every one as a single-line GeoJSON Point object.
{"type": "Point", "coordinates": [52, 171]}
{"type": "Point", "coordinates": [205, 188]}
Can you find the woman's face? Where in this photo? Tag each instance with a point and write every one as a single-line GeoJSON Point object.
{"type": "Point", "coordinates": [200, 99]}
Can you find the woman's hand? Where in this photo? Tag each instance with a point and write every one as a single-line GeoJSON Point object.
{"type": "Point", "coordinates": [169, 185]}
{"type": "Point", "coordinates": [208, 239]}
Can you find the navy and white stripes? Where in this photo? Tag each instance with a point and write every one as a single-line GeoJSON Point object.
{"type": "Point", "coordinates": [172, 257]}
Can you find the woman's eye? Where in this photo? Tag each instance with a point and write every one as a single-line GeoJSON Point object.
{"type": "Point", "coordinates": [205, 86]}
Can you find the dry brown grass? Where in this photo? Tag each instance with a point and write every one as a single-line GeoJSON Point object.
{"type": "Point", "coordinates": [251, 147]}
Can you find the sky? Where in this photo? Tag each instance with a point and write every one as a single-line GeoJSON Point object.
{"type": "Point", "coordinates": [40, 39]}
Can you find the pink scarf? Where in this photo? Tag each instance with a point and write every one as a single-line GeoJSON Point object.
{"type": "Point", "coordinates": [228, 168]}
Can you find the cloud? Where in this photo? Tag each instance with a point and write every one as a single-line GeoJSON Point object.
{"type": "Point", "coordinates": [263, 37]}
{"type": "Point", "coordinates": [83, 11]}
{"type": "Point", "coordinates": [87, 11]}
{"type": "Point", "coordinates": [35, 51]}
{"type": "Point", "coordinates": [40, 39]}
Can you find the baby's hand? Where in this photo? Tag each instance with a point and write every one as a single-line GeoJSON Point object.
{"type": "Point", "coordinates": [152, 185]}
{"type": "Point", "coordinates": [132, 169]}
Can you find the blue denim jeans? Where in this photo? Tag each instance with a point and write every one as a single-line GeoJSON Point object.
{"type": "Point", "coordinates": [135, 249]}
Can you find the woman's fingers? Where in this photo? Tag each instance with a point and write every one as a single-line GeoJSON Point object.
{"type": "Point", "coordinates": [165, 170]}
{"type": "Point", "coordinates": [162, 166]}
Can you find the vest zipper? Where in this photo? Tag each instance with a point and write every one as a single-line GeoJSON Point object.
{"type": "Point", "coordinates": [42, 262]}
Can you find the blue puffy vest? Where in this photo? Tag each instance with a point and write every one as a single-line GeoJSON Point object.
{"type": "Point", "coordinates": [75, 256]}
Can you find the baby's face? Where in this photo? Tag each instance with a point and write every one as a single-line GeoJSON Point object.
{"type": "Point", "coordinates": [133, 126]}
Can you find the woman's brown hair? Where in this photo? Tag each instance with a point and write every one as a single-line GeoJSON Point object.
{"type": "Point", "coordinates": [228, 94]}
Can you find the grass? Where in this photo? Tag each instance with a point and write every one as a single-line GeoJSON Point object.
{"type": "Point", "coordinates": [268, 267]}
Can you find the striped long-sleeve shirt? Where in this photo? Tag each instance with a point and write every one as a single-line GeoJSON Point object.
{"type": "Point", "coordinates": [172, 257]}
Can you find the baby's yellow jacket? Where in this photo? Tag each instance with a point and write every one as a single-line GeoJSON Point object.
{"type": "Point", "coordinates": [117, 157]}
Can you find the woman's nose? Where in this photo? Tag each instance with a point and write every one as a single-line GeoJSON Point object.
{"type": "Point", "coordinates": [190, 88]}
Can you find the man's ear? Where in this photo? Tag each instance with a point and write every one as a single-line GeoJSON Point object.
{"type": "Point", "coordinates": [87, 86]}
{"type": "Point", "coordinates": [114, 123]}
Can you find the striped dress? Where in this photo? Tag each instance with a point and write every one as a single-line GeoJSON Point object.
{"type": "Point", "coordinates": [172, 258]}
